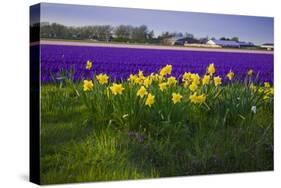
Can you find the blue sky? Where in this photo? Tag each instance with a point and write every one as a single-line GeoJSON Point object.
{"type": "Point", "coordinates": [248, 28]}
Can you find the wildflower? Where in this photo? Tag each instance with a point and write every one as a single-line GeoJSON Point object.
{"type": "Point", "coordinates": [176, 97]}
{"type": "Point", "coordinates": [152, 76]}
{"type": "Point", "coordinates": [186, 77]}
{"type": "Point", "coordinates": [266, 84]}
{"type": "Point", "coordinates": [149, 100]}
{"type": "Point", "coordinates": [88, 85]}
{"type": "Point", "coordinates": [141, 76]}
{"type": "Point", "coordinates": [230, 75]}
{"type": "Point", "coordinates": [142, 92]}
{"type": "Point", "coordinates": [138, 80]}
{"type": "Point", "coordinates": [186, 84]}
{"type": "Point", "coordinates": [268, 93]}
{"type": "Point", "coordinates": [217, 80]}
{"type": "Point", "coordinates": [132, 78]}
{"type": "Point", "coordinates": [89, 65]}
{"type": "Point", "coordinates": [271, 91]}
{"type": "Point", "coordinates": [250, 72]}
{"type": "Point", "coordinates": [117, 89]}
{"type": "Point", "coordinates": [254, 109]}
{"type": "Point", "coordinates": [172, 81]}
{"type": "Point", "coordinates": [163, 86]}
{"type": "Point", "coordinates": [102, 78]}
{"type": "Point", "coordinates": [193, 86]}
{"type": "Point", "coordinates": [197, 99]}
{"type": "Point", "coordinates": [195, 78]}
{"type": "Point", "coordinates": [206, 79]}
{"type": "Point", "coordinates": [211, 69]}
{"type": "Point", "coordinates": [158, 78]}
{"type": "Point", "coordinates": [166, 70]}
{"type": "Point", "coordinates": [147, 82]}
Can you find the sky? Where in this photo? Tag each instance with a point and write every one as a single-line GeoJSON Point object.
{"type": "Point", "coordinates": [254, 29]}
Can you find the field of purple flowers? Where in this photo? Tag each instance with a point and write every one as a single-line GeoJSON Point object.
{"type": "Point", "coordinates": [119, 63]}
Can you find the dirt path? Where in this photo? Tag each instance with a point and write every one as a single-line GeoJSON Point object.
{"type": "Point", "coordinates": [143, 46]}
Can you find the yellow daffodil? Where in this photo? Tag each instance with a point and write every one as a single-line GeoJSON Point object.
{"type": "Point", "coordinates": [147, 82]}
{"type": "Point", "coordinates": [102, 78]}
{"type": "Point", "coordinates": [88, 85]}
{"type": "Point", "coordinates": [193, 86]}
{"type": "Point", "coordinates": [195, 78]}
{"type": "Point", "coordinates": [150, 100]}
{"type": "Point", "coordinates": [142, 92]}
{"type": "Point", "coordinates": [138, 81]}
{"type": "Point", "coordinates": [158, 78]}
{"type": "Point", "coordinates": [166, 70]}
{"type": "Point", "coordinates": [266, 84]}
{"type": "Point", "coordinates": [186, 77]}
{"type": "Point", "coordinates": [140, 74]}
{"type": "Point", "coordinates": [163, 86]}
{"type": "Point", "coordinates": [117, 89]}
{"type": "Point", "coordinates": [268, 92]}
{"type": "Point", "coordinates": [230, 75]}
{"type": "Point", "coordinates": [186, 84]}
{"type": "Point", "coordinates": [271, 91]}
{"type": "Point", "coordinates": [206, 79]}
{"type": "Point", "coordinates": [176, 97]}
{"type": "Point", "coordinates": [152, 76]}
{"type": "Point", "coordinates": [172, 81]}
{"type": "Point", "coordinates": [132, 78]}
{"type": "Point", "coordinates": [197, 99]}
{"type": "Point", "coordinates": [217, 80]}
{"type": "Point", "coordinates": [250, 72]}
{"type": "Point", "coordinates": [89, 65]}
{"type": "Point", "coordinates": [211, 69]}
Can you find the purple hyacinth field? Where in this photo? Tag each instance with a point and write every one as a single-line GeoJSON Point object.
{"type": "Point", "coordinates": [119, 63]}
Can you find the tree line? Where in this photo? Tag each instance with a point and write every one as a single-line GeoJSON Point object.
{"type": "Point", "coordinates": [120, 33]}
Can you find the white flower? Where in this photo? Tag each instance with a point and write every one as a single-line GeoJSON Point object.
{"type": "Point", "coordinates": [254, 109]}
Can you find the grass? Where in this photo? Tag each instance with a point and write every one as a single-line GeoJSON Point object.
{"type": "Point", "coordinates": [92, 136]}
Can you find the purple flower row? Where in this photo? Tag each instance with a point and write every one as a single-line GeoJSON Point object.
{"type": "Point", "coordinates": [119, 63]}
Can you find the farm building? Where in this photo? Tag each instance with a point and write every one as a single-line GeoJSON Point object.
{"type": "Point", "coordinates": [224, 43]}
{"type": "Point", "coordinates": [268, 46]}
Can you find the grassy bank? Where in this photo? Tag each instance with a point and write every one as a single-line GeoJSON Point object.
{"type": "Point", "coordinates": [95, 135]}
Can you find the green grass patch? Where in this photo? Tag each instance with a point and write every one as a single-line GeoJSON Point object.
{"type": "Point", "coordinates": [92, 136]}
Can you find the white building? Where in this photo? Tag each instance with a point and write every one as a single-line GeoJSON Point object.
{"type": "Point", "coordinates": [268, 46]}
{"type": "Point", "coordinates": [224, 43]}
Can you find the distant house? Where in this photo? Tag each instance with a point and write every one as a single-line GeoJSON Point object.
{"type": "Point", "coordinates": [224, 43]}
{"type": "Point", "coordinates": [268, 46]}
